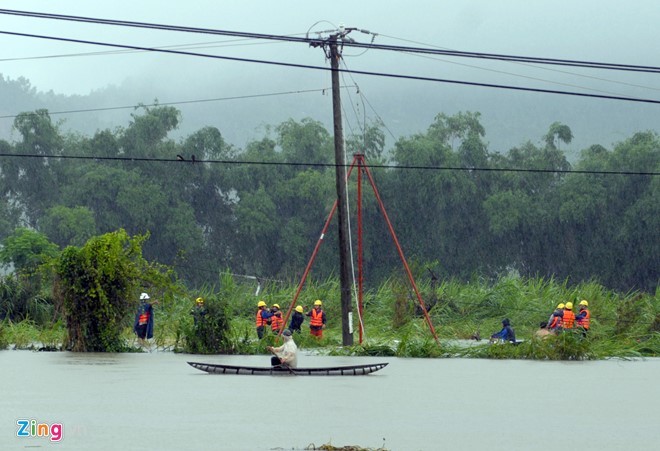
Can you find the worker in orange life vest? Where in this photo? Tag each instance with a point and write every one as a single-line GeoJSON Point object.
{"type": "Point", "coordinates": [143, 325]}
{"type": "Point", "coordinates": [555, 321]}
{"type": "Point", "coordinates": [262, 318]}
{"type": "Point", "coordinates": [568, 319]}
{"type": "Point", "coordinates": [317, 320]}
{"type": "Point", "coordinates": [276, 321]}
{"type": "Point", "coordinates": [583, 318]}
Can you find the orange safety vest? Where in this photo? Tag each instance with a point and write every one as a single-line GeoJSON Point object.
{"type": "Point", "coordinates": [144, 318]}
{"type": "Point", "coordinates": [556, 322]}
{"type": "Point", "coordinates": [276, 321]}
{"type": "Point", "coordinates": [569, 319]}
{"type": "Point", "coordinates": [260, 320]}
{"type": "Point", "coordinates": [317, 318]}
{"type": "Point", "coordinates": [586, 321]}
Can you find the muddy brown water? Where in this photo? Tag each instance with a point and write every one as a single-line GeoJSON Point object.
{"type": "Point", "coordinates": [156, 401]}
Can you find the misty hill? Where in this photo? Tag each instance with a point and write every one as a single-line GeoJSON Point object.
{"type": "Point", "coordinates": [247, 113]}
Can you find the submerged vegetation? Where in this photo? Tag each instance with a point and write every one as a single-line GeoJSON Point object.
{"type": "Point", "coordinates": [622, 325]}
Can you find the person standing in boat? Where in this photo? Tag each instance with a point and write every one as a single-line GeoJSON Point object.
{"type": "Point", "coordinates": [297, 319]}
{"type": "Point", "coordinates": [263, 319]}
{"type": "Point", "coordinates": [317, 320]}
{"type": "Point", "coordinates": [143, 326]}
{"type": "Point", "coordinates": [506, 334]}
{"type": "Point", "coordinates": [276, 321]}
{"type": "Point", "coordinates": [287, 354]}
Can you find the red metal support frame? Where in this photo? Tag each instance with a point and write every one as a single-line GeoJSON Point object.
{"type": "Point", "coordinates": [358, 159]}
{"type": "Point", "coordinates": [314, 253]}
{"type": "Point", "coordinates": [400, 251]}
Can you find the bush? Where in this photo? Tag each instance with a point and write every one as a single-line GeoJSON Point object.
{"type": "Point", "coordinates": [95, 285]}
{"type": "Point", "coordinates": [207, 332]}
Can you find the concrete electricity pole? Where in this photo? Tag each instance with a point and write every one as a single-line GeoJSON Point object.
{"type": "Point", "coordinates": [332, 49]}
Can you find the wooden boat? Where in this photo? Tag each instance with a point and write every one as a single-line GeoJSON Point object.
{"type": "Point", "coordinates": [353, 370]}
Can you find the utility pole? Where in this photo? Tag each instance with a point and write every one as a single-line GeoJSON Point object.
{"type": "Point", "coordinates": [331, 47]}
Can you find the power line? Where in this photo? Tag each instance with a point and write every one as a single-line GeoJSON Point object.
{"type": "Point", "coordinates": [346, 43]}
{"type": "Point", "coordinates": [181, 160]}
{"type": "Point", "coordinates": [182, 102]}
{"type": "Point", "coordinates": [198, 45]}
{"type": "Point", "coordinates": [231, 44]}
{"type": "Point", "coordinates": [323, 68]}
{"type": "Point", "coordinates": [526, 65]}
{"type": "Point", "coordinates": [364, 100]}
{"type": "Point", "coordinates": [528, 77]}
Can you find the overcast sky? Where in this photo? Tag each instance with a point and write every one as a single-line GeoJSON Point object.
{"type": "Point", "coordinates": [593, 30]}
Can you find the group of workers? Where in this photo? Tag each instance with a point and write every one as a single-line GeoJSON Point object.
{"type": "Point", "coordinates": [272, 317]}
{"type": "Point", "coordinates": [562, 319]}
{"type": "Point", "coordinates": [143, 325]}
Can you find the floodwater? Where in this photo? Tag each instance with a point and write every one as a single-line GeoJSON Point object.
{"type": "Point", "coordinates": [156, 401]}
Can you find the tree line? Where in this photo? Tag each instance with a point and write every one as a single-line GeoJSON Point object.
{"type": "Point", "coordinates": [458, 208]}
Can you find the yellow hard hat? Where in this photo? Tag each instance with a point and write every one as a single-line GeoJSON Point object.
{"type": "Point", "coordinates": [560, 306]}
{"type": "Point", "coordinates": [569, 306]}
{"type": "Point", "coordinates": [299, 309]}
{"type": "Point", "coordinates": [199, 300]}
{"type": "Point", "coordinates": [261, 304]}
{"type": "Point", "coordinates": [584, 302]}
{"type": "Point", "coordinates": [276, 305]}
{"type": "Point", "coordinates": [318, 302]}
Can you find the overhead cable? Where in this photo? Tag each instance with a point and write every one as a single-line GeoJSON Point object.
{"type": "Point", "coordinates": [323, 68]}
{"type": "Point", "coordinates": [193, 160]}
{"type": "Point", "coordinates": [182, 102]}
{"type": "Point", "coordinates": [554, 70]}
{"type": "Point", "coordinates": [346, 43]}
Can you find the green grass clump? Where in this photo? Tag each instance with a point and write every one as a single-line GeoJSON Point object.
{"type": "Point", "coordinates": [52, 337]}
{"type": "Point", "coordinates": [3, 336]}
{"type": "Point", "coordinates": [23, 335]}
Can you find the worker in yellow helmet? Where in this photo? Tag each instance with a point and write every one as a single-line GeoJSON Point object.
{"type": "Point", "coordinates": [569, 317]}
{"type": "Point", "coordinates": [297, 318]}
{"type": "Point", "coordinates": [556, 319]}
{"type": "Point", "coordinates": [198, 311]}
{"type": "Point", "coordinates": [263, 318]}
{"type": "Point", "coordinates": [583, 318]}
{"type": "Point", "coordinates": [276, 321]}
{"type": "Point", "coordinates": [317, 319]}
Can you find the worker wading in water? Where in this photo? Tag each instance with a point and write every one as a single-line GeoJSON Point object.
{"type": "Point", "coordinates": [317, 320]}
{"type": "Point", "coordinates": [276, 321]}
{"type": "Point", "coordinates": [262, 319]}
